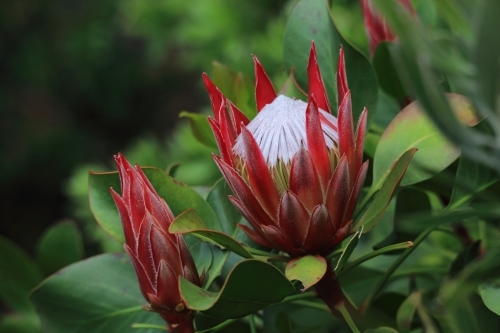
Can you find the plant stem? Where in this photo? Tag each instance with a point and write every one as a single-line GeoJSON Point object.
{"type": "Point", "coordinates": [347, 317]}
{"type": "Point", "coordinates": [383, 280]}
{"type": "Point", "coordinates": [155, 327]}
{"type": "Point", "coordinates": [390, 248]}
{"type": "Point", "coordinates": [253, 329]}
{"type": "Point", "coordinates": [293, 298]}
{"type": "Point", "coordinates": [218, 327]}
{"type": "Point", "coordinates": [313, 305]}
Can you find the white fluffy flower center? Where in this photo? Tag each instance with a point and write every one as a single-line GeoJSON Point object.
{"type": "Point", "coordinates": [280, 130]}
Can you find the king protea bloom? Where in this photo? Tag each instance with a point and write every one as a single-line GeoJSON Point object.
{"type": "Point", "coordinates": [295, 170]}
{"type": "Point", "coordinates": [376, 26]}
{"type": "Point", "coordinates": [158, 257]}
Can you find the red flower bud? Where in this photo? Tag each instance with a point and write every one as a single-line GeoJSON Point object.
{"type": "Point", "coordinates": [376, 27]}
{"type": "Point", "coordinates": [296, 171]}
{"type": "Point", "coordinates": [158, 257]}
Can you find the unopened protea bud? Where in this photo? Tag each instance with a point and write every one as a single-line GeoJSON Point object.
{"type": "Point", "coordinates": [295, 170]}
{"type": "Point", "coordinates": [159, 257]}
{"type": "Point", "coordinates": [376, 26]}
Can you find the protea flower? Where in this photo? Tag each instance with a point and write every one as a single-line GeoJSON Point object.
{"type": "Point", "coordinates": [158, 257]}
{"type": "Point", "coordinates": [376, 27]}
{"type": "Point", "coordinates": [295, 170]}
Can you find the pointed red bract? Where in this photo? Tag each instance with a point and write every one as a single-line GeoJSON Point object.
{"type": "Point", "coordinates": [346, 132]}
{"type": "Point", "coordinates": [304, 180]}
{"type": "Point", "coordinates": [216, 96]}
{"type": "Point", "coordinates": [316, 143]}
{"type": "Point", "coordinates": [316, 84]}
{"type": "Point", "coordinates": [264, 90]}
{"type": "Point", "coordinates": [158, 257]}
{"type": "Point", "coordinates": [342, 86]}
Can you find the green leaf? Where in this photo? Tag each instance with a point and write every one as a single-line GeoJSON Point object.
{"type": "Point", "coordinates": [470, 253]}
{"type": "Point", "coordinates": [228, 215]}
{"type": "Point", "coordinates": [20, 323]}
{"type": "Point", "coordinates": [250, 286]}
{"type": "Point", "coordinates": [100, 294]}
{"type": "Point", "coordinates": [387, 75]}
{"type": "Point", "coordinates": [346, 254]}
{"type": "Point", "coordinates": [472, 177]}
{"type": "Point", "coordinates": [411, 128]}
{"type": "Point", "coordinates": [236, 87]}
{"type": "Point", "coordinates": [200, 128]}
{"type": "Point", "coordinates": [18, 275]}
{"type": "Point", "coordinates": [308, 270]}
{"type": "Point", "coordinates": [310, 20]}
{"type": "Point", "coordinates": [406, 312]}
{"type": "Point", "coordinates": [487, 53]}
{"type": "Point", "coordinates": [178, 196]}
{"type": "Point", "coordinates": [191, 223]}
{"type": "Point", "coordinates": [59, 246]}
{"type": "Point", "coordinates": [490, 294]}
{"type": "Point", "coordinates": [376, 209]}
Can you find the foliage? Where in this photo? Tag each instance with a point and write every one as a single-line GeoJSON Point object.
{"type": "Point", "coordinates": [423, 252]}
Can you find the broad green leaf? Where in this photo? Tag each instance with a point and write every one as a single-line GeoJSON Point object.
{"type": "Point", "coordinates": [387, 75]}
{"type": "Point", "coordinates": [228, 215]}
{"type": "Point", "coordinates": [308, 270]}
{"type": "Point", "coordinates": [200, 128]}
{"type": "Point", "coordinates": [100, 294]}
{"type": "Point", "coordinates": [376, 209]}
{"type": "Point", "coordinates": [472, 177]}
{"type": "Point", "coordinates": [250, 286]}
{"type": "Point", "coordinates": [411, 128]}
{"type": "Point", "coordinates": [18, 275]}
{"type": "Point", "coordinates": [178, 196]}
{"type": "Point", "coordinates": [191, 223]}
{"type": "Point", "coordinates": [310, 20]}
{"type": "Point", "coordinates": [490, 294]}
{"type": "Point", "coordinates": [409, 201]}
{"type": "Point", "coordinates": [59, 246]}
{"type": "Point", "coordinates": [406, 312]}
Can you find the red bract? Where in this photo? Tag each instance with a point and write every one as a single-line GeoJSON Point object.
{"type": "Point", "coordinates": [159, 257]}
{"type": "Point", "coordinates": [295, 170]}
{"type": "Point", "coordinates": [376, 27]}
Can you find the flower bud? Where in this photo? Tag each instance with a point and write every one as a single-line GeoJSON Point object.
{"type": "Point", "coordinates": [158, 257]}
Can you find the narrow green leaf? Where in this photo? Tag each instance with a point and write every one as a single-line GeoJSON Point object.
{"type": "Point", "coordinates": [346, 254]}
{"type": "Point", "coordinates": [59, 246]}
{"type": "Point", "coordinates": [97, 295]}
{"type": "Point", "coordinates": [470, 253]}
{"type": "Point", "coordinates": [472, 177]}
{"type": "Point", "coordinates": [191, 223]}
{"type": "Point", "coordinates": [200, 128]}
{"type": "Point", "coordinates": [377, 208]}
{"type": "Point", "coordinates": [250, 286]}
{"type": "Point", "coordinates": [18, 275]}
{"type": "Point", "coordinates": [308, 270]}
{"type": "Point", "coordinates": [406, 312]}
{"type": "Point", "coordinates": [310, 20]}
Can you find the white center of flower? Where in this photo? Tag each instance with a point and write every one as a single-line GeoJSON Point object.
{"type": "Point", "coordinates": [280, 130]}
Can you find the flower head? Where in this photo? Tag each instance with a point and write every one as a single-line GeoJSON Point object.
{"type": "Point", "coordinates": [295, 170]}
{"type": "Point", "coordinates": [158, 257]}
{"type": "Point", "coordinates": [376, 27]}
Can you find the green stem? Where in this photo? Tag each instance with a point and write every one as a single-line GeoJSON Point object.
{"type": "Point", "coordinates": [253, 329]}
{"type": "Point", "coordinates": [390, 248]}
{"type": "Point", "coordinates": [383, 280]}
{"type": "Point", "coordinates": [347, 317]}
{"type": "Point", "coordinates": [334, 254]}
{"type": "Point", "coordinates": [257, 252]}
{"type": "Point", "coordinates": [418, 271]}
{"type": "Point", "coordinates": [155, 327]}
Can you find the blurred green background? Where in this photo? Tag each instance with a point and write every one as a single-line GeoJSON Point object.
{"type": "Point", "coordinates": [83, 80]}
